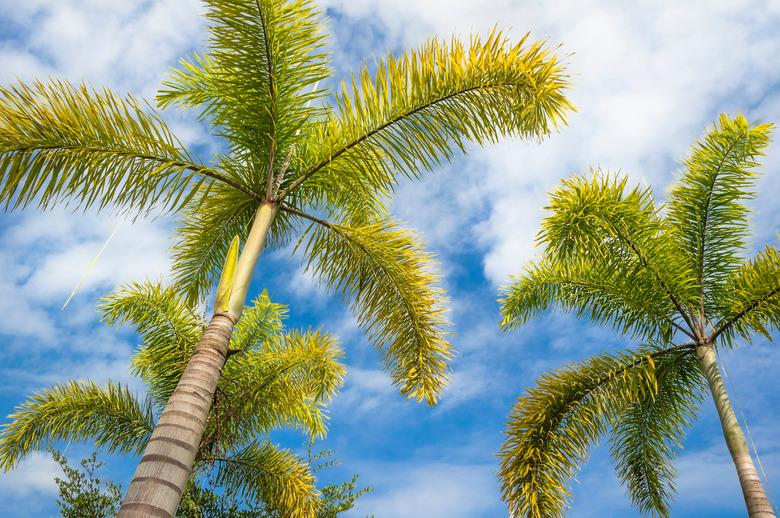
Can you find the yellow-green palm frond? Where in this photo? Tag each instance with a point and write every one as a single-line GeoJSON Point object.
{"type": "Point", "coordinates": [260, 323]}
{"type": "Point", "coordinates": [255, 82]}
{"type": "Point", "coordinates": [169, 327]}
{"type": "Point", "coordinates": [110, 416]}
{"type": "Point", "coordinates": [551, 428]}
{"type": "Point", "coordinates": [385, 275]}
{"type": "Point", "coordinates": [423, 106]}
{"type": "Point", "coordinates": [599, 219]}
{"type": "Point", "coordinates": [287, 381]}
{"type": "Point", "coordinates": [60, 143]}
{"type": "Point", "coordinates": [277, 477]}
{"type": "Point", "coordinates": [706, 205]}
{"type": "Point", "coordinates": [647, 434]}
{"type": "Point", "coordinates": [601, 292]}
{"type": "Point", "coordinates": [751, 301]}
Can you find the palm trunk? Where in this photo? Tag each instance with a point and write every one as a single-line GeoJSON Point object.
{"type": "Point", "coordinates": [757, 503]}
{"type": "Point", "coordinates": [168, 459]}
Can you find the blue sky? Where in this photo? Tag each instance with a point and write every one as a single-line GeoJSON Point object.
{"type": "Point", "coordinates": [647, 81]}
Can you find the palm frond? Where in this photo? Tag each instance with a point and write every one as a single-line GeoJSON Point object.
{"type": "Point", "coordinates": [260, 323]}
{"type": "Point", "coordinates": [254, 84]}
{"type": "Point", "coordinates": [386, 277]}
{"type": "Point", "coordinates": [287, 381]}
{"type": "Point", "coordinates": [423, 106]}
{"type": "Point", "coordinates": [551, 428]}
{"type": "Point", "coordinates": [112, 417]}
{"type": "Point", "coordinates": [751, 303]}
{"type": "Point", "coordinates": [60, 143]}
{"type": "Point", "coordinates": [600, 220]}
{"type": "Point", "coordinates": [601, 292]}
{"type": "Point", "coordinates": [647, 434]}
{"type": "Point", "coordinates": [263, 472]}
{"type": "Point", "coordinates": [706, 205]}
{"type": "Point", "coordinates": [169, 327]}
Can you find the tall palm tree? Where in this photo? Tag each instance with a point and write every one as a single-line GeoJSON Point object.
{"type": "Point", "coordinates": [299, 161]}
{"type": "Point", "coordinates": [662, 275]}
{"type": "Point", "coordinates": [276, 379]}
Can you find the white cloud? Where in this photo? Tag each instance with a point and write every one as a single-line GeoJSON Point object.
{"type": "Point", "coordinates": [646, 80]}
{"type": "Point", "coordinates": [33, 476]}
{"type": "Point", "coordinates": [434, 490]}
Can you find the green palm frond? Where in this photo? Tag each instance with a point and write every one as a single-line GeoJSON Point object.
{"type": "Point", "coordinates": [255, 82]}
{"type": "Point", "coordinates": [77, 411]}
{"type": "Point", "coordinates": [647, 433]}
{"type": "Point", "coordinates": [385, 275]}
{"type": "Point", "coordinates": [600, 220]}
{"type": "Point", "coordinates": [169, 327]}
{"type": "Point", "coordinates": [60, 143]}
{"type": "Point", "coordinates": [751, 303]}
{"type": "Point", "coordinates": [706, 204]}
{"type": "Point", "coordinates": [419, 108]}
{"type": "Point", "coordinates": [601, 292]}
{"type": "Point", "coordinates": [286, 382]}
{"type": "Point", "coordinates": [260, 324]}
{"type": "Point", "coordinates": [263, 472]}
{"type": "Point", "coordinates": [550, 429]}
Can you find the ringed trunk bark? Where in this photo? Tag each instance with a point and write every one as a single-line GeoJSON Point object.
{"type": "Point", "coordinates": [757, 503]}
{"type": "Point", "coordinates": [170, 454]}
{"type": "Point", "coordinates": [169, 457]}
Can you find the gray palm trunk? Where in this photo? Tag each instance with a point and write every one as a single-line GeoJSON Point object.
{"type": "Point", "coordinates": [756, 500]}
{"type": "Point", "coordinates": [170, 454]}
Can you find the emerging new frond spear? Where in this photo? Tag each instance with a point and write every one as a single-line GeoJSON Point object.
{"type": "Point", "coordinates": [614, 256]}
{"type": "Point", "coordinates": [295, 165]}
{"type": "Point", "coordinates": [275, 379]}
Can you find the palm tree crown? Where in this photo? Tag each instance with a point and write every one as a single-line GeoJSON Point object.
{"type": "Point", "coordinates": [276, 379]}
{"type": "Point", "coordinates": [660, 274]}
{"type": "Point", "coordinates": [326, 163]}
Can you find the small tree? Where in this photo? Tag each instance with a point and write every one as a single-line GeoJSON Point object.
{"type": "Point", "coordinates": [82, 493]}
{"type": "Point", "coordinates": [667, 274]}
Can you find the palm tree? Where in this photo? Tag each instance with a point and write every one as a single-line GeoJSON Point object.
{"type": "Point", "coordinates": [662, 275]}
{"type": "Point", "coordinates": [297, 163]}
{"type": "Point", "coordinates": [275, 379]}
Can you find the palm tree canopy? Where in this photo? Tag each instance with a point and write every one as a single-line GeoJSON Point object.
{"type": "Point", "coordinates": [656, 273]}
{"type": "Point", "coordinates": [273, 379]}
{"type": "Point", "coordinates": [329, 160]}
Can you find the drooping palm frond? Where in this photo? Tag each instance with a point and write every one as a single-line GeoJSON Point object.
{"type": "Point", "coordinates": [285, 382]}
{"type": "Point", "coordinates": [260, 325]}
{"type": "Point", "coordinates": [599, 291]}
{"type": "Point", "coordinates": [384, 274]}
{"type": "Point", "coordinates": [169, 327]}
{"type": "Point", "coordinates": [62, 144]}
{"type": "Point", "coordinates": [751, 301]}
{"type": "Point", "coordinates": [422, 106]}
{"type": "Point", "coordinates": [110, 416]}
{"type": "Point", "coordinates": [263, 472]}
{"type": "Point", "coordinates": [600, 220]}
{"type": "Point", "coordinates": [550, 429]}
{"type": "Point", "coordinates": [254, 83]}
{"type": "Point", "coordinates": [706, 204]}
{"type": "Point", "coordinates": [647, 433]}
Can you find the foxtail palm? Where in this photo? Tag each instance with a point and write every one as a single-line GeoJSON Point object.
{"type": "Point", "coordinates": [296, 164]}
{"type": "Point", "coordinates": [660, 274]}
{"type": "Point", "coordinates": [274, 379]}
